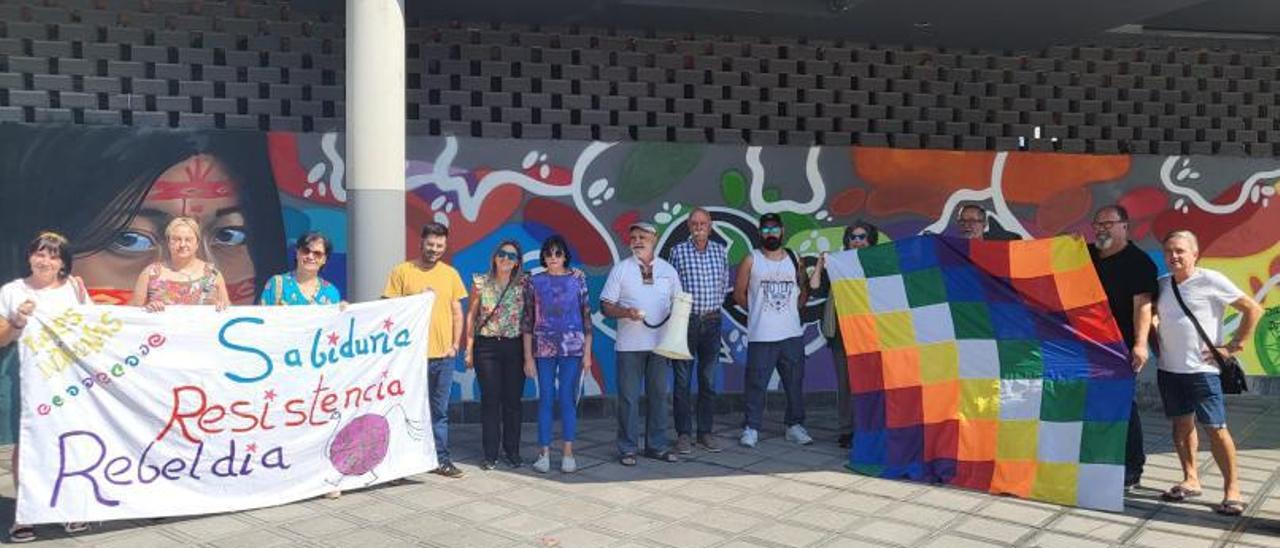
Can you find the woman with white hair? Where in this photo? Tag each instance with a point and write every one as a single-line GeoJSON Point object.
{"type": "Point", "coordinates": [181, 277]}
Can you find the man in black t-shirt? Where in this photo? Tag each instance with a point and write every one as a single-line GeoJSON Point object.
{"type": "Point", "coordinates": [1128, 277]}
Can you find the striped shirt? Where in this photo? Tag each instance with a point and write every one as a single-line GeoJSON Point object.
{"type": "Point", "coordinates": [704, 274]}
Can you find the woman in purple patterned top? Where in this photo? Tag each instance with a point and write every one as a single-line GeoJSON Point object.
{"type": "Point", "coordinates": [557, 337]}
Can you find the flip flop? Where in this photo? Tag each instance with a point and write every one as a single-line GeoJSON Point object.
{"type": "Point", "coordinates": [1230, 507]}
{"type": "Point", "coordinates": [75, 527]}
{"type": "Point", "coordinates": [627, 460]}
{"type": "Point", "coordinates": [1179, 493]}
{"type": "Point", "coordinates": [21, 533]}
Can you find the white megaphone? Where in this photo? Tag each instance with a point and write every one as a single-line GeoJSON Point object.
{"type": "Point", "coordinates": [674, 343]}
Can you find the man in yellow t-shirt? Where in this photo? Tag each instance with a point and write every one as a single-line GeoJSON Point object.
{"type": "Point", "coordinates": [429, 273]}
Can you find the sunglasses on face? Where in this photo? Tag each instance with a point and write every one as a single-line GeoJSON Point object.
{"type": "Point", "coordinates": [508, 255]}
{"type": "Point", "coordinates": [554, 253]}
{"type": "Point", "coordinates": [317, 253]}
{"type": "Point", "coordinates": [855, 237]}
{"type": "Point", "coordinates": [771, 230]}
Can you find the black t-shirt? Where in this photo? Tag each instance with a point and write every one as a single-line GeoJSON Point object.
{"type": "Point", "coordinates": [1123, 275]}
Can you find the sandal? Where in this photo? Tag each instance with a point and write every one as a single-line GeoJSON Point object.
{"type": "Point", "coordinates": [21, 533]}
{"type": "Point", "coordinates": [664, 456]}
{"type": "Point", "coordinates": [1179, 493]}
{"type": "Point", "coordinates": [74, 527]}
{"type": "Point", "coordinates": [627, 460]}
{"type": "Point", "coordinates": [1230, 507]}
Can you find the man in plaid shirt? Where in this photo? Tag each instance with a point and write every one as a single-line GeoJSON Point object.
{"type": "Point", "coordinates": [703, 266]}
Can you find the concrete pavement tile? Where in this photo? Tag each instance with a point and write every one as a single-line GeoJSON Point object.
{"type": "Point", "coordinates": [837, 478]}
{"type": "Point", "coordinates": [1059, 540]}
{"type": "Point", "coordinates": [486, 484]}
{"type": "Point", "coordinates": [1016, 512]}
{"type": "Point", "coordinates": [802, 491]}
{"type": "Point", "coordinates": [1162, 539]}
{"type": "Point", "coordinates": [627, 523]}
{"type": "Point", "coordinates": [480, 511]}
{"type": "Point", "coordinates": [531, 496]}
{"type": "Point", "coordinates": [924, 516]}
{"type": "Point", "coordinates": [751, 482]}
{"type": "Point", "coordinates": [734, 459]}
{"type": "Point", "coordinates": [366, 538]}
{"type": "Point", "coordinates": [846, 542]}
{"type": "Point", "coordinates": [789, 535]}
{"type": "Point", "coordinates": [321, 526]}
{"type": "Point", "coordinates": [574, 510]}
{"type": "Point", "coordinates": [525, 525]}
{"type": "Point", "coordinates": [1261, 534]}
{"type": "Point", "coordinates": [682, 536]}
{"type": "Point", "coordinates": [287, 512]}
{"type": "Point", "coordinates": [999, 531]}
{"type": "Point", "coordinates": [427, 524]}
{"type": "Point", "coordinates": [950, 499]}
{"type": "Point", "coordinates": [857, 502]}
{"type": "Point", "coordinates": [764, 504]}
{"type": "Point", "coordinates": [259, 538]}
{"type": "Point", "coordinates": [377, 511]}
{"type": "Point", "coordinates": [469, 537]}
{"type": "Point", "coordinates": [710, 491]}
{"type": "Point", "coordinates": [1093, 528]}
{"type": "Point", "coordinates": [891, 532]}
{"type": "Point", "coordinates": [1131, 516]}
{"type": "Point", "coordinates": [427, 497]}
{"type": "Point", "coordinates": [955, 541]}
{"type": "Point", "coordinates": [731, 521]}
{"type": "Point", "coordinates": [617, 494]}
{"type": "Point", "coordinates": [805, 459]}
{"type": "Point", "coordinates": [577, 537]}
{"type": "Point", "coordinates": [211, 527]}
{"type": "Point", "coordinates": [824, 517]}
{"type": "Point", "coordinates": [894, 489]}
{"type": "Point", "coordinates": [1200, 522]}
{"type": "Point", "coordinates": [744, 543]}
{"type": "Point", "coordinates": [670, 507]}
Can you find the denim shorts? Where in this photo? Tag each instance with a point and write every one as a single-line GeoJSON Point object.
{"type": "Point", "coordinates": [1199, 393]}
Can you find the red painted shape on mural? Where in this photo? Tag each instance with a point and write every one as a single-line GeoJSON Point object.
{"type": "Point", "coordinates": [622, 222]}
{"type": "Point", "coordinates": [1062, 210]}
{"type": "Point", "coordinates": [1036, 177]}
{"type": "Point", "coordinates": [1275, 266]}
{"type": "Point", "coordinates": [1144, 204]}
{"type": "Point", "coordinates": [918, 181]}
{"type": "Point", "coordinates": [556, 175]}
{"type": "Point", "coordinates": [848, 202]}
{"type": "Point", "coordinates": [566, 221]}
{"type": "Point", "coordinates": [290, 177]}
{"type": "Point", "coordinates": [1221, 236]}
{"type": "Point", "coordinates": [497, 208]}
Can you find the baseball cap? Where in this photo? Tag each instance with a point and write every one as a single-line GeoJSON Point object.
{"type": "Point", "coordinates": [770, 218]}
{"type": "Point", "coordinates": [643, 225]}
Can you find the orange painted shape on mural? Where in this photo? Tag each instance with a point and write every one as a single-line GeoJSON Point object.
{"type": "Point", "coordinates": [918, 181]}
{"type": "Point", "coordinates": [1247, 231]}
{"type": "Point", "coordinates": [1035, 177]}
{"type": "Point", "coordinates": [1063, 209]}
{"type": "Point", "coordinates": [848, 202]}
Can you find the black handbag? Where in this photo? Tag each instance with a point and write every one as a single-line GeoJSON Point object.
{"type": "Point", "coordinates": [1229, 370]}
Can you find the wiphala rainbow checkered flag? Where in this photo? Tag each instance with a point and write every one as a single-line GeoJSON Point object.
{"type": "Point", "coordinates": [985, 364]}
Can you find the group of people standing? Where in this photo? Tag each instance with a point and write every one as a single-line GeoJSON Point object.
{"type": "Point", "coordinates": [540, 326]}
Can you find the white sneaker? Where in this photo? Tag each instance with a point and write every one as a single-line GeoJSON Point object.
{"type": "Point", "coordinates": [798, 434]}
{"type": "Point", "coordinates": [749, 437]}
{"type": "Point", "coordinates": [568, 465]}
{"type": "Point", "coordinates": [543, 464]}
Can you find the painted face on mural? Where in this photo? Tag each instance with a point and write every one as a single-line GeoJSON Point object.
{"type": "Point", "coordinates": [197, 187]}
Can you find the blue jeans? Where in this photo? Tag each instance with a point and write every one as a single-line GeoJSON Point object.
{"type": "Point", "coordinates": [704, 344]}
{"type": "Point", "coordinates": [1198, 393]}
{"type": "Point", "coordinates": [785, 356]}
{"type": "Point", "coordinates": [439, 383]}
{"type": "Point", "coordinates": [651, 369]}
{"type": "Point", "coordinates": [558, 380]}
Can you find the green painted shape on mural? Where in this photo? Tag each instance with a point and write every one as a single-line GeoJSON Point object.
{"type": "Point", "coordinates": [739, 246]}
{"type": "Point", "coordinates": [771, 193]}
{"type": "Point", "coordinates": [733, 188]}
{"type": "Point", "coordinates": [1266, 341]}
{"type": "Point", "coordinates": [651, 169]}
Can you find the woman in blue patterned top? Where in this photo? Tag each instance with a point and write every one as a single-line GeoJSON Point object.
{"type": "Point", "coordinates": [304, 285]}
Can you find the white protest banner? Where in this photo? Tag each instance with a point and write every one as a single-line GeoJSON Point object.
{"type": "Point", "coordinates": [127, 414]}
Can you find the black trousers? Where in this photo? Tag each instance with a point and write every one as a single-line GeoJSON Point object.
{"type": "Point", "coordinates": [499, 366]}
{"type": "Point", "coordinates": [1135, 457]}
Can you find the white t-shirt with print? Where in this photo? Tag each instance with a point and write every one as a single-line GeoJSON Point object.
{"type": "Point", "coordinates": [49, 301]}
{"type": "Point", "coordinates": [625, 287]}
{"type": "Point", "coordinates": [1207, 293]}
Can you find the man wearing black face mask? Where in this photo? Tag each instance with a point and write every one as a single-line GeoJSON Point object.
{"type": "Point", "coordinates": [771, 286]}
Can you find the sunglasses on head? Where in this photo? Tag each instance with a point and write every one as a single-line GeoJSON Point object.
{"type": "Point", "coordinates": [508, 255]}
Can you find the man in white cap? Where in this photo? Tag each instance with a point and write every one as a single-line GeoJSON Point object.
{"type": "Point", "coordinates": [638, 294]}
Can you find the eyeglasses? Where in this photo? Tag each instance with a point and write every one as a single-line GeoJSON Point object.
{"type": "Point", "coordinates": [556, 253]}
{"type": "Point", "coordinates": [771, 229]}
{"type": "Point", "coordinates": [1106, 225]}
{"type": "Point", "coordinates": [508, 255]}
{"type": "Point", "coordinates": [317, 253]}
{"type": "Point", "coordinates": [855, 237]}
{"type": "Point", "coordinates": [972, 221]}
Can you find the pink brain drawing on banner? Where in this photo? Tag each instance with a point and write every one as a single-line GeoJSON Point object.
{"type": "Point", "coordinates": [361, 445]}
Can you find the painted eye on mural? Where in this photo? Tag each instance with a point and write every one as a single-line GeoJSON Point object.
{"type": "Point", "coordinates": [131, 241]}
{"type": "Point", "coordinates": [230, 235]}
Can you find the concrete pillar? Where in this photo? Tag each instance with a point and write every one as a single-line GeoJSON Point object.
{"type": "Point", "coordinates": [374, 144]}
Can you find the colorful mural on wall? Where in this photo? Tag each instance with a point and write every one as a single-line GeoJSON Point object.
{"type": "Point", "coordinates": [112, 189]}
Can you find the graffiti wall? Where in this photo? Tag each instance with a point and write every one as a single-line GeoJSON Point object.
{"type": "Point", "coordinates": [111, 190]}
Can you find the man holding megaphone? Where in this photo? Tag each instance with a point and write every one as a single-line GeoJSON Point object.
{"type": "Point", "coordinates": [639, 293]}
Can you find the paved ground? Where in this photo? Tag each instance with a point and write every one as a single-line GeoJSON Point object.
{"type": "Point", "coordinates": [776, 495]}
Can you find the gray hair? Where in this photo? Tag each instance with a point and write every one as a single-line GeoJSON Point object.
{"type": "Point", "coordinates": [1183, 235]}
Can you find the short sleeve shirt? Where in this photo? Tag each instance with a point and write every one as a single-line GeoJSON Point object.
{"type": "Point", "coordinates": [626, 287]}
{"type": "Point", "coordinates": [704, 274]}
{"type": "Point", "coordinates": [1125, 275]}
{"type": "Point", "coordinates": [1207, 294]}
{"type": "Point", "coordinates": [290, 294]}
{"type": "Point", "coordinates": [555, 313]}
{"type": "Point", "coordinates": [408, 278]}
{"type": "Point", "coordinates": [501, 308]}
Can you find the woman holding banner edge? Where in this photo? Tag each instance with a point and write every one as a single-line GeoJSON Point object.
{"type": "Point", "coordinates": [304, 286]}
{"type": "Point", "coordinates": [48, 284]}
